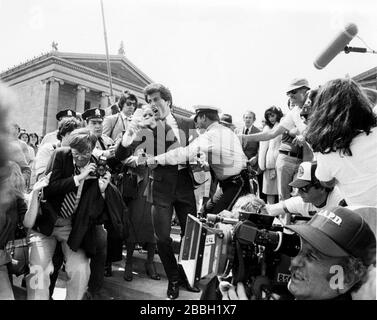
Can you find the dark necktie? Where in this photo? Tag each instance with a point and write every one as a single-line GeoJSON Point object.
{"type": "Point", "coordinates": [247, 131]}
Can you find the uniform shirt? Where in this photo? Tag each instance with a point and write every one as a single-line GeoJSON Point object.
{"type": "Point", "coordinates": [297, 205]}
{"type": "Point", "coordinates": [221, 146]}
{"type": "Point", "coordinates": [43, 157]}
{"type": "Point", "coordinates": [50, 138]}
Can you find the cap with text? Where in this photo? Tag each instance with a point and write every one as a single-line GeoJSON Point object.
{"type": "Point", "coordinates": [339, 232]}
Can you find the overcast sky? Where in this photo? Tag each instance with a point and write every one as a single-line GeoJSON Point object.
{"type": "Point", "coordinates": [234, 54]}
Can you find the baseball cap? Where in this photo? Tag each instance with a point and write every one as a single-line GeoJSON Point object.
{"type": "Point", "coordinates": [65, 113]}
{"type": "Point", "coordinates": [305, 175]}
{"type": "Point", "coordinates": [200, 108]}
{"type": "Point", "coordinates": [298, 83]}
{"type": "Point", "coordinates": [93, 113]}
{"type": "Point", "coordinates": [339, 232]}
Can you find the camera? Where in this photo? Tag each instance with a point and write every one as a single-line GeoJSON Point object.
{"type": "Point", "coordinates": [102, 167]}
{"type": "Point", "coordinates": [250, 249]}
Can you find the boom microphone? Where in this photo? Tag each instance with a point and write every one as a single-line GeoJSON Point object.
{"type": "Point", "coordinates": [336, 46]}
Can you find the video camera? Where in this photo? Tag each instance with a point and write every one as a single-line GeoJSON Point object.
{"type": "Point", "coordinates": [250, 249]}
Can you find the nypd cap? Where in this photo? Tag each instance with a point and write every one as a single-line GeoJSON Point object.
{"type": "Point", "coordinates": [65, 113]}
{"type": "Point", "coordinates": [93, 113]}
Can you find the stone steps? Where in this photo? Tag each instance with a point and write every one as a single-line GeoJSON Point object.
{"type": "Point", "coordinates": [116, 288]}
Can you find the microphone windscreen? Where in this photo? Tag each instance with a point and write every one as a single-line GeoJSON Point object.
{"type": "Point", "coordinates": [336, 45]}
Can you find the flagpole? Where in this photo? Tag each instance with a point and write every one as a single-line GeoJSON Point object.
{"type": "Point", "coordinates": [107, 52]}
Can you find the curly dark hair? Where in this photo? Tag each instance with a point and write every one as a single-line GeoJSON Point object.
{"type": "Point", "coordinates": [126, 95]}
{"type": "Point", "coordinates": [67, 125]}
{"type": "Point", "coordinates": [341, 111]}
{"type": "Point", "coordinates": [275, 110]}
{"type": "Point", "coordinates": [157, 87]}
{"type": "Point", "coordinates": [24, 134]}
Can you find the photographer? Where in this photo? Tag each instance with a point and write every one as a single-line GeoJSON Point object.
{"type": "Point", "coordinates": [73, 211]}
{"type": "Point", "coordinates": [312, 198]}
{"type": "Point", "coordinates": [337, 248]}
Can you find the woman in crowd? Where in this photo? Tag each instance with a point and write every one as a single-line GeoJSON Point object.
{"type": "Point", "coordinates": [25, 137]}
{"type": "Point", "coordinates": [268, 153]}
{"type": "Point", "coordinates": [12, 222]}
{"type": "Point", "coordinates": [141, 227]}
{"type": "Point", "coordinates": [342, 133]}
{"type": "Point", "coordinates": [34, 141]}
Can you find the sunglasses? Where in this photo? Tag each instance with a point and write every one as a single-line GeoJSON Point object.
{"type": "Point", "coordinates": [306, 188]}
{"type": "Point", "coordinates": [131, 103]}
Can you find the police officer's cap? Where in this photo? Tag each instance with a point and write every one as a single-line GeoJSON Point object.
{"type": "Point", "coordinates": [201, 108]}
{"type": "Point", "coordinates": [95, 113]}
{"type": "Point", "coordinates": [65, 113]}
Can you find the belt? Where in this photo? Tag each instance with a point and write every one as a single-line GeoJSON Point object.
{"type": "Point", "coordinates": [291, 154]}
{"type": "Point", "coordinates": [234, 178]}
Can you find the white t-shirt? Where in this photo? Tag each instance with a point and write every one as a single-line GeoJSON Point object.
{"type": "Point", "coordinates": [293, 120]}
{"type": "Point", "coordinates": [356, 175]}
{"type": "Point", "coordinates": [297, 205]}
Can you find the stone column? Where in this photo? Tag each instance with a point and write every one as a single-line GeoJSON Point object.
{"type": "Point", "coordinates": [104, 100]}
{"type": "Point", "coordinates": [80, 99]}
{"type": "Point", "coordinates": [52, 105]}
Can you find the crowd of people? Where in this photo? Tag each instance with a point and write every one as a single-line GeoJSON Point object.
{"type": "Point", "coordinates": [115, 178]}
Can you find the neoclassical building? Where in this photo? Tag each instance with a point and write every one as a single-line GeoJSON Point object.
{"type": "Point", "coordinates": [57, 80]}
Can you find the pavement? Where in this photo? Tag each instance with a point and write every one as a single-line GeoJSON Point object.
{"type": "Point", "coordinates": [116, 288]}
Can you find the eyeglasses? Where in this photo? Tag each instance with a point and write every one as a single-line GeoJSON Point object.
{"type": "Point", "coordinates": [81, 155]}
{"type": "Point", "coordinates": [130, 103]}
{"type": "Point", "coordinates": [306, 188]}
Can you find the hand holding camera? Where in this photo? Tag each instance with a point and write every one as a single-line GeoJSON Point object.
{"type": "Point", "coordinates": [87, 172]}
{"type": "Point", "coordinates": [103, 181]}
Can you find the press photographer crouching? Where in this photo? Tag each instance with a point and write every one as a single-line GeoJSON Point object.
{"type": "Point", "coordinates": [336, 249]}
{"type": "Point", "coordinates": [312, 196]}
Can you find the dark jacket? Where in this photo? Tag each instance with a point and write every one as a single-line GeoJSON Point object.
{"type": "Point", "coordinates": [11, 226]}
{"type": "Point", "coordinates": [163, 179]}
{"type": "Point", "coordinates": [93, 209]}
{"type": "Point", "coordinates": [251, 148]}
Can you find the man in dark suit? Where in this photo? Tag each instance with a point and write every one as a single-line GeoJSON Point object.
{"type": "Point", "coordinates": [251, 148]}
{"type": "Point", "coordinates": [70, 180]}
{"type": "Point", "coordinates": [171, 187]}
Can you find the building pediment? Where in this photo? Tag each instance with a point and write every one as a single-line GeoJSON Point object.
{"type": "Point", "coordinates": [368, 75]}
{"type": "Point", "coordinates": [121, 67]}
{"type": "Point", "coordinates": [123, 71]}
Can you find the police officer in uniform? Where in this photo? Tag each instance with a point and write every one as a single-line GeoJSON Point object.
{"type": "Point", "coordinates": [94, 122]}
{"type": "Point", "coordinates": [51, 136]}
{"type": "Point", "coordinates": [104, 148]}
{"type": "Point", "coordinates": [225, 156]}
